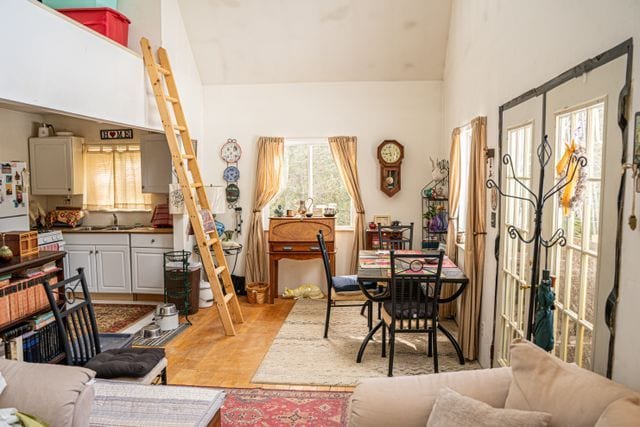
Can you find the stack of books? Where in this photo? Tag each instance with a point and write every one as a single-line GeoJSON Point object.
{"type": "Point", "coordinates": [36, 341]}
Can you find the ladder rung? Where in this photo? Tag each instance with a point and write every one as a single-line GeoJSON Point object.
{"type": "Point", "coordinates": [219, 270]}
{"type": "Point", "coordinates": [212, 241]}
{"type": "Point", "coordinates": [171, 99]}
{"type": "Point", "coordinates": [228, 297]}
{"type": "Point", "coordinates": [188, 156]}
{"type": "Point", "coordinates": [180, 128]}
{"type": "Point", "coordinates": [163, 70]}
{"type": "Point", "coordinates": [196, 185]}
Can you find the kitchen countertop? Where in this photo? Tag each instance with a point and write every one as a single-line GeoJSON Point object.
{"type": "Point", "coordinates": [135, 230]}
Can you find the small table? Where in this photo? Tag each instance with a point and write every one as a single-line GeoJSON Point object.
{"type": "Point", "coordinates": [375, 266]}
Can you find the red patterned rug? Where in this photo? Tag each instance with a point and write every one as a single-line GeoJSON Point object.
{"type": "Point", "coordinates": [115, 317]}
{"type": "Point", "coordinates": [274, 408]}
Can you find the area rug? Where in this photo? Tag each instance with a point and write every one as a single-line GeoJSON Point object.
{"type": "Point", "coordinates": [299, 354]}
{"type": "Point", "coordinates": [162, 340]}
{"type": "Point", "coordinates": [259, 407]}
{"type": "Point", "coordinates": [116, 317]}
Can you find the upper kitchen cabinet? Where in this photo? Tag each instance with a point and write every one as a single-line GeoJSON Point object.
{"type": "Point", "coordinates": [56, 165]}
{"type": "Point", "coordinates": [155, 160]}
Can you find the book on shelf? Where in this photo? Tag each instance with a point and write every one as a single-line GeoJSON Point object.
{"type": "Point", "coordinates": [50, 266]}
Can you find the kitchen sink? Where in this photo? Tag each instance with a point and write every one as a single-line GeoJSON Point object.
{"type": "Point", "coordinates": [120, 227]}
{"type": "Point", "coordinates": [91, 228]}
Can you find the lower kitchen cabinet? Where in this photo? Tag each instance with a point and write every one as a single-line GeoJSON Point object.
{"type": "Point", "coordinates": [81, 256]}
{"type": "Point", "coordinates": [148, 270]}
{"type": "Point", "coordinates": [113, 268]}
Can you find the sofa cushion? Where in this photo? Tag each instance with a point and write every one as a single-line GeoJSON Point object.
{"type": "Point", "coordinates": [621, 413]}
{"type": "Point", "coordinates": [455, 410]}
{"type": "Point", "coordinates": [125, 362]}
{"type": "Point", "coordinates": [572, 395]}
{"type": "Point", "coordinates": [50, 392]}
{"type": "Point", "coordinates": [407, 401]}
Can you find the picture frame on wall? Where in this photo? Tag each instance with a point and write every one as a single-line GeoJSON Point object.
{"type": "Point", "coordinates": [382, 219]}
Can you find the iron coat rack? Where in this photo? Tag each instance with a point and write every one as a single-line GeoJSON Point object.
{"type": "Point", "coordinates": [538, 201]}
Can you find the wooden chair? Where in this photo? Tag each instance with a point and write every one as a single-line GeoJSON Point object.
{"type": "Point", "coordinates": [78, 332]}
{"type": "Point", "coordinates": [395, 237]}
{"type": "Point", "coordinates": [343, 291]}
{"type": "Point", "coordinates": [413, 306]}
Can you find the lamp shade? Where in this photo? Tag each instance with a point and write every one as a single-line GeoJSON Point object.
{"type": "Point", "coordinates": [217, 198]}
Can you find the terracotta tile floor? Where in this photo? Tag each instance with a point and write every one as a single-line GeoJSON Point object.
{"type": "Point", "coordinates": [204, 356]}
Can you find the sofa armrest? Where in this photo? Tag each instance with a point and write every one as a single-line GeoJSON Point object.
{"type": "Point", "coordinates": [407, 401]}
{"type": "Point", "coordinates": [59, 395]}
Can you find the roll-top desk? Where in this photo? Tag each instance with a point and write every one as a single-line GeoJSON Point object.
{"type": "Point", "coordinates": [296, 238]}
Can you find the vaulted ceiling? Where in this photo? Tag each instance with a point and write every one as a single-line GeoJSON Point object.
{"type": "Point", "coordinates": [286, 41]}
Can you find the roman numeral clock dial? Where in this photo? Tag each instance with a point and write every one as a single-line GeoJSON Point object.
{"type": "Point", "coordinates": [390, 155]}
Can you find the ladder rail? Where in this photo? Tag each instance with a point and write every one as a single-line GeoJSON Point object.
{"type": "Point", "coordinates": [228, 305]}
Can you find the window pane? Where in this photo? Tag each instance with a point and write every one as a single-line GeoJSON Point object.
{"type": "Point", "coordinates": [295, 180]}
{"type": "Point", "coordinates": [327, 184]}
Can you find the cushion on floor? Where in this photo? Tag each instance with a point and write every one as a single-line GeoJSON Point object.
{"type": "Point", "coordinates": [350, 283]}
{"type": "Point", "coordinates": [125, 362]}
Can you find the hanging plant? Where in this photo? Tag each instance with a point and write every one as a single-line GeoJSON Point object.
{"type": "Point", "coordinates": [568, 169]}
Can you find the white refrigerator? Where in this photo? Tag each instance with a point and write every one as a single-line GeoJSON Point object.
{"type": "Point", "coordinates": [14, 196]}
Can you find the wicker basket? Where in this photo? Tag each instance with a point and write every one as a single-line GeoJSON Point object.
{"type": "Point", "coordinates": [258, 292]}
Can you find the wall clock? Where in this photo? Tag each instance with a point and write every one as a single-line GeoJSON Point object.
{"type": "Point", "coordinates": [231, 174]}
{"type": "Point", "coordinates": [390, 155]}
{"type": "Point", "coordinates": [231, 151]}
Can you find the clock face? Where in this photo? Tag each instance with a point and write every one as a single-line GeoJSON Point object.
{"type": "Point", "coordinates": [231, 151]}
{"type": "Point", "coordinates": [390, 153]}
{"type": "Point", "coordinates": [231, 174]}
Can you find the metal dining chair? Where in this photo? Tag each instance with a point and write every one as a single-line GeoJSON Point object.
{"type": "Point", "coordinates": [413, 307]}
{"type": "Point", "coordinates": [343, 291]}
{"type": "Point", "coordinates": [395, 237]}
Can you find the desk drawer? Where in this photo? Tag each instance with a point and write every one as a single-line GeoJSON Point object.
{"type": "Point", "coordinates": [297, 247]}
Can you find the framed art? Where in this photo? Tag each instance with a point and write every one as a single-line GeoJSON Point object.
{"type": "Point", "coordinates": [382, 219]}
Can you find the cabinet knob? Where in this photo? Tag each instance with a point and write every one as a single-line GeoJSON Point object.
{"type": "Point", "coordinates": [153, 240]}
{"type": "Point", "coordinates": [96, 251]}
{"type": "Point", "coordinates": [90, 252]}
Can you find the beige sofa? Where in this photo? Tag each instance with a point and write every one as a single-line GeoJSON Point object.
{"type": "Point", "coordinates": [59, 395]}
{"type": "Point", "coordinates": [536, 381]}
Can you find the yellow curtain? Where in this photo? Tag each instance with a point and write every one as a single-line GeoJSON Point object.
{"type": "Point", "coordinates": [475, 232]}
{"type": "Point", "coordinates": [113, 178]}
{"type": "Point", "coordinates": [344, 152]}
{"type": "Point", "coordinates": [449, 310]}
{"type": "Point", "coordinates": [269, 170]}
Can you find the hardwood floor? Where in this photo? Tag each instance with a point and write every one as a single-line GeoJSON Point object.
{"type": "Point", "coordinates": [204, 356]}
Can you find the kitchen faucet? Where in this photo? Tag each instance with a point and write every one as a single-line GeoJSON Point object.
{"type": "Point", "coordinates": [115, 219]}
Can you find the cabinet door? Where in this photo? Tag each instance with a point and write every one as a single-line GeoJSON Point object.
{"type": "Point", "coordinates": [113, 268]}
{"type": "Point", "coordinates": [147, 265]}
{"type": "Point", "coordinates": [155, 160]}
{"type": "Point", "coordinates": [81, 256]}
{"type": "Point", "coordinates": [51, 165]}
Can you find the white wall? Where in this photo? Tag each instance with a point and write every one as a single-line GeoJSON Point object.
{"type": "Point", "coordinates": [16, 128]}
{"type": "Point", "coordinates": [499, 49]}
{"type": "Point", "coordinates": [410, 112]}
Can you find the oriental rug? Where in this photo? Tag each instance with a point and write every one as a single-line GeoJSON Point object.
{"type": "Point", "coordinates": [116, 317]}
{"type": "Point", "coordinates": [280, 408]}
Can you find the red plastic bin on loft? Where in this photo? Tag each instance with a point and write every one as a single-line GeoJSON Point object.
{"type": "Point", "coordinates": [108, 22]}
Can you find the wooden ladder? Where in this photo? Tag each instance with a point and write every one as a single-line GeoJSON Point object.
{"type": "Point", "coordinates": [227, 302]}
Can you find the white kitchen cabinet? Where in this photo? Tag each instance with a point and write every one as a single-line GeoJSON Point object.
{"type": "Point", "coordinates": [147, 255]}
{"type": "Point", "coordinates": [56, 165]}
{"type": "Point", "coordinates": [147, 270]}
{"type": "Point", "coordinates": [81, 256]}
{"type": "Point", "coordinates": [155, 160]}
{"type": "Point", "coordinates": [113, 268]}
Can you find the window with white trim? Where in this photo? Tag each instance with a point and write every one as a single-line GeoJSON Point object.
{"type": "Point", "coordinates": [113, 178]}
{"type": "Point", "coordinates": [310, 172]}
{"type": "Point", "coordinates": [465, 157]}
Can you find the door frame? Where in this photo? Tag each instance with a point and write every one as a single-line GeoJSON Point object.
{"type": "Point", "coordinates": [624, 48]}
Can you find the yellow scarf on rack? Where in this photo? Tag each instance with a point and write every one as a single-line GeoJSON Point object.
{"type": "Point", "coordinates": [572, 173]}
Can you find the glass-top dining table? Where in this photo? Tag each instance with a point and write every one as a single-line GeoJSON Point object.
{"type": "Point", "coordinates": [375, 266]}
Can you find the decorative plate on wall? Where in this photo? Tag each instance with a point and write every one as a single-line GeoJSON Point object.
{"type": "Point", "coordinates": [231, 151]}
{"type": "Point", "coordinates": [233, 194]}
{"type": "Point", "coordinates": [231, 174]}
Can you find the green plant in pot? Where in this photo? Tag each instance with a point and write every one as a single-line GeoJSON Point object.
{"type": "Point", "coordinates": [6, 254]}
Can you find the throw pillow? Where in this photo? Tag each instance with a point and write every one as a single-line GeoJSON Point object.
{"type": "Point", "coordinates": [455, 410]}
{"type": "Point", "coordinates": [572, 395]}
{"type": "Point", "coordinates": [621, 413]}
